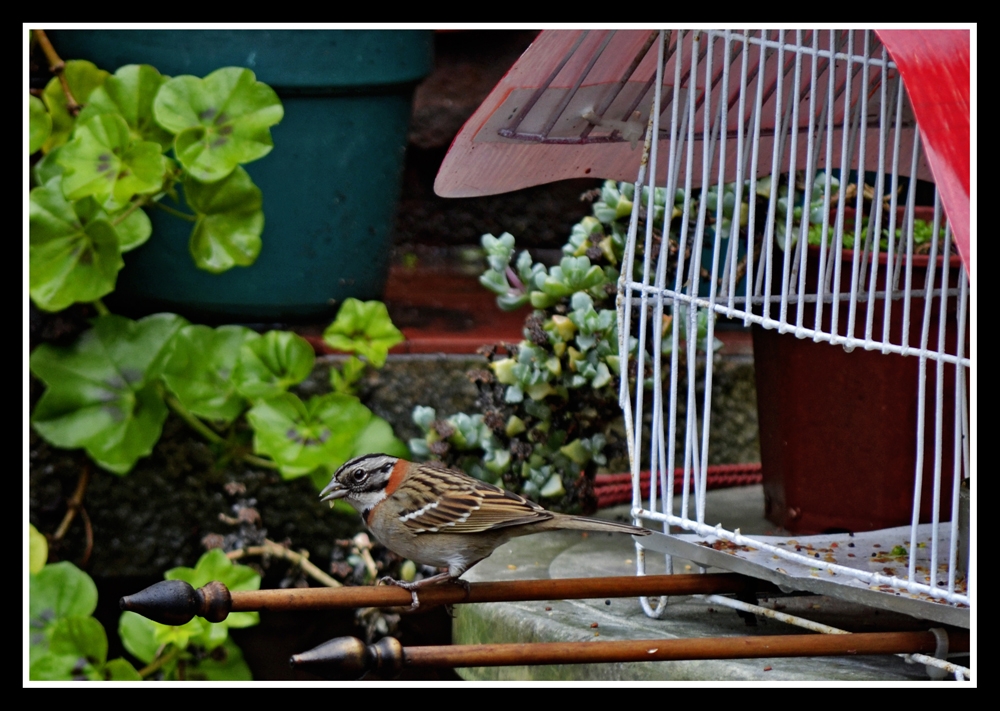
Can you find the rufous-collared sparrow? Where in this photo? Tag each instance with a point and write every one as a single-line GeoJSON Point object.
{"type": "Point", "coordinates": [442, 517]}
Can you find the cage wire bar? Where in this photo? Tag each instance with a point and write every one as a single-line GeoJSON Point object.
{"type": "Point", "coordinates": [742, 109]}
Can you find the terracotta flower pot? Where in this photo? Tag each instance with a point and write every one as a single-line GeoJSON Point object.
{"type": "Point", "coordinates": [838, 429]}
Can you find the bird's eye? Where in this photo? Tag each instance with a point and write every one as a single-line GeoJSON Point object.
{"type": "Point", "coordinates": [358, 474]}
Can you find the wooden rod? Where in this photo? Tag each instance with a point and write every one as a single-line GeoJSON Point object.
{"type": "Point", "coordinates": [803, 645]}
{"type": "Point", "coordinates": [510, 591]}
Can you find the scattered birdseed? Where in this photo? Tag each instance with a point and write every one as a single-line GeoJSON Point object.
{"type": "Point", "coordinates": [767, 668]}
{"type": "Point", "coordinates": [511, 567]}
{"type": "Point", "coordinates": [607, 602]}
{"type": "Point", "coordinates": [548, 609]}
{"type": "Point", "coordinates": [593, 625]}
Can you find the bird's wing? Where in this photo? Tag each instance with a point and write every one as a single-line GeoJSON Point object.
{"type": "Point", "coordinates": [460, 503]}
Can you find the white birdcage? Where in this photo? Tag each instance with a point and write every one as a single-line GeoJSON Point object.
{"type": "Point", "coordinates": [749, 158]}
{"type": "Point", "coordinates": [754, 120]}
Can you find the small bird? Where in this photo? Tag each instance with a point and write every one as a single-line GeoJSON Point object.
{"type": "Point", "coordinates": [442, 517]}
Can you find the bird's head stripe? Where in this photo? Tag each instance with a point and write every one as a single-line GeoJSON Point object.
{"type": "Point", "coordinates": [396, 477]}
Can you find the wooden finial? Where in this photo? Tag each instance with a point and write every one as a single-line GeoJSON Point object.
{"type": "Point", "coordinates": [346, 658]}
{"type": "Point", "coordinates": [175, 602]}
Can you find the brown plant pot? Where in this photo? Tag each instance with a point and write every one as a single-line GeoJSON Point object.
{"type": "Point", "coordinates": [838, 429]}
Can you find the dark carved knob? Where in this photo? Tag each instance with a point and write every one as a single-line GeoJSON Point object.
{"type": "Point", "coordinates": [175, 602]}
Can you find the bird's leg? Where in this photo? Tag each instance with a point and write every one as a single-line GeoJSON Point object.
{"type": "Point", "coordinates": [433, 580]}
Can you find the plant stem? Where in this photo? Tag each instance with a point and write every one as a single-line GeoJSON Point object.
{"type": "Point", "coordinates": [101, 309]}
{"type": "Point", "coordinates": [176, 213]}
{"type": "Point", "coordinates": [279, 551]}
{"type": "Point", "coordinates": [73, 505]}
{"type": "Point", "coordinates": [131, 208]}
{"type": "Point", "coordinates": [58, 67]}
{"type": "Point", "coordinates": [193, 422]}
{"type": "Point", "coordinates": [154, 665]}
{"type": "Point", "coordinates": [258, 461]}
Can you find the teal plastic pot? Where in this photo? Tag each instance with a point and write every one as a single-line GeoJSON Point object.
{"type": "Point", "coordinates": [331, 184]}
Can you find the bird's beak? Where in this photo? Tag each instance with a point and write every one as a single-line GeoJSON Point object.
{"type": "Point", "coordinates": [333, 491]}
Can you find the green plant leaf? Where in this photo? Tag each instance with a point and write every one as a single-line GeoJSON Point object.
{"type": "Point", "coordinates": [82, 77]}
{"type": "Point", "coordinates": [304, 436]}
{"type": "Point", "coordinates": [61, 590]}
{"type": "Point", "coordinates": [269, 365]}
{"type": "Point", "coordinates": [38, 550]}
{"type": "Point", "coordinates": [376, 437]}
{"type": "Point", "coordinates": [137, 635]}
{"type": "Point", "coordinates": [120, 670]}
{"type": "Point", "coordinates": [70, 259]}
{"type": "Point", "coordinates": [132, 230]}
{"type": "Point", "coordinates": [342, 380]}
{"type": "Point", "coordinates": [47, 168]}
{"type": "Point", "coordinates": [80, 637]}
{"type": "Point", "coordinates": [200, 370]}
{"type": "Point", "coordinates": [54, 667]}
{"type": "Point", "coordinates": [220, 121]}
{"type": "Point", "coordinates": [102, 392]}
{"type": "Point", "coordinates": [130, 93]}
{"type": "Point", "coordinates": [102, 160]}
{"type": "Point", "coordinates": [39, 124]}
{"type": "Point", "coordinates": [229, 221]}
{"type": "Point", "coordinates": [225, 663]}
{"type": "Point", "coordinates": [363, 327]}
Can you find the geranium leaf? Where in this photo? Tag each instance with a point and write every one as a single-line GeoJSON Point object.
{"type": "Point", "coordinates": [71, 259]}
{"type": "Point", "coordinates": [200, 369]}
{"type": "Point", "coordinates": [102, 393]}
{"type": "Point", "coordinates": [60, 590]}
{"type": "Point", "coordinates": [363, 327]}
{"type": "Point", "coordinates": [82, 77]}
{"type": "Point", "coordinates": [39, 124]}
{"type": "Point", "coordinates": [80, 636]}
{"type": "Point", "coordinates": [102, 160]}
{"type": "Point", "coordinates": [302, 437]}
{"type": "Point", "coordinates": [130, 93]}
{"type": "Point", "coordinates": [229, 221]}
{"type": "Point", "coordinates": [269, 365]}
{"type": "Point", "coordinates": [220, 121]}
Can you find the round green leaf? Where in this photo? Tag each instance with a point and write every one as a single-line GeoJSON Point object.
{"type": "Point", "coordinates": [47, 168]}
{"type": "Point", "coordinates": [60, 590]}
{"type": "Point", "coordinates": [132, 230]}
{"type": "Point", "coordinates": [120, 670]}
{"type": "Point", "coordinates": [70, 260]}
{"type": "Point", "coordinates": [103, 161]}
{"type": "Point", "coordinates": [226, 663]}
{"type": "Point", "coordinates": [229, 221]}
{"type": "Point", "coordinates": [82, 77]}
{"type": "Point", "coordinates": [54, 667]}
{"type": "Point", "coordinates": [130, 93]}
{"type": "Point", "coordinates": [102, 393]}
{"type": "Point", "coordinates": [269, 365]}
{"type": "Point", "coordinates": [38, 550]}
{"type": "Point", "coordinates": [302, 437]}
{"type": "Point", "coordinates": [363, 327]}
{"type": "Point", "coordinates": [137, 635]}
{"type": "Point", "coordinates": [39, 124]}
{"type": "Point", "coordinates": [80, 636]}
{"type": "Point", "coordinates": [220, 121]}
{"type": "Point", "coordinates": [200, 369]}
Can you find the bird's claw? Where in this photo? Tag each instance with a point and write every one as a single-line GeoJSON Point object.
{"type": "Point", "coordinates": [409, 587]}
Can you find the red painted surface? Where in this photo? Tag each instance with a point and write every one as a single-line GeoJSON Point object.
{"type": "Point", "coordinates": [935, 66]}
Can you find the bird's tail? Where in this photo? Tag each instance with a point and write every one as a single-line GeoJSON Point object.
{"type": "Point", "coordinates": [582, 523]}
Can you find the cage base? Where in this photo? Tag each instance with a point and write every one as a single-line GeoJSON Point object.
{"type": "Point", "coordinates": [868, 552]}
